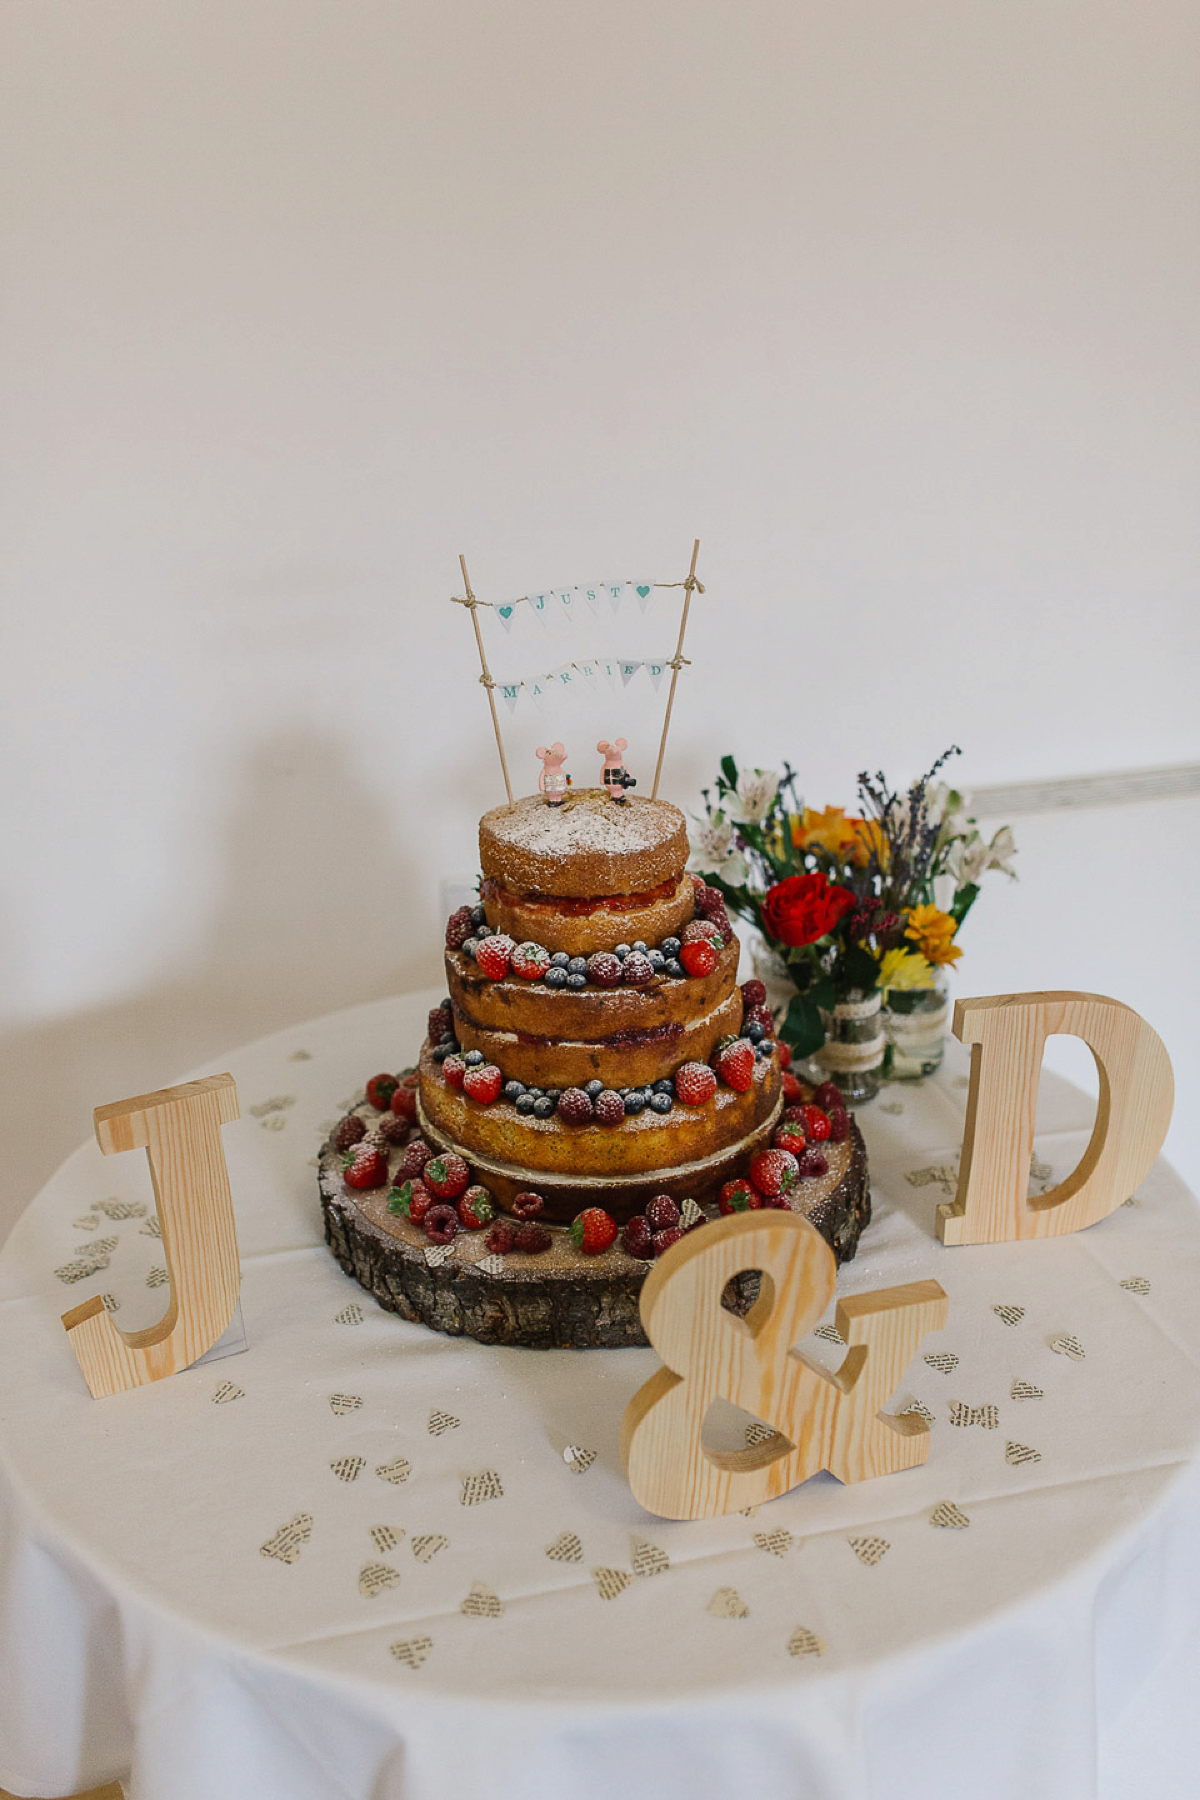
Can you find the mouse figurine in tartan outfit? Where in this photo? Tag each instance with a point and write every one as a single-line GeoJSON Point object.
{"type": "Point", "coordinates": [614, 776]}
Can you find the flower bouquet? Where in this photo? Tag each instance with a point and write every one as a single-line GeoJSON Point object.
{"type": "Point", "coordinates": [861, 912]}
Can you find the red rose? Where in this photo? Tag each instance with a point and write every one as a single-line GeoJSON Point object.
{"type": "Point", "coordinates": [803, 908]}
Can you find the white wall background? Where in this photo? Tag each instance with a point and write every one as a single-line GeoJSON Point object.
{"type": "Point", "coordinates": [894, 305]}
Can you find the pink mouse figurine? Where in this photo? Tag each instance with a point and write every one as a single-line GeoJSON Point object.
{"type": "Point", "coordinates": [614, 776]}
{"type": "Point", "coordinates": [553, 780]}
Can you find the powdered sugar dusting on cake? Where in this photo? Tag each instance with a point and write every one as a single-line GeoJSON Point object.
{"type": "Point", "coordinates": [625, 847]}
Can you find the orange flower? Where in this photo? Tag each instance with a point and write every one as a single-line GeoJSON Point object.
{"type": "Point", "coordinates": [868, 839]}
{"type": "Point", "coordinates": [831, 830]}
{"type": "Point", "coordinates": [931, 931]}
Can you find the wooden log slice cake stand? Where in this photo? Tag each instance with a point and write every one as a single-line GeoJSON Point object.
{"type": "Point", "coordinates": [595, 883]}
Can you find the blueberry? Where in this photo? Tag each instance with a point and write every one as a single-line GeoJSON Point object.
{"type": "Point", "coordinates": [576, 979]}
{"type": "Point", "coordinates": [544, 1108]}
{"type": "Point", "coordinates": [665, 1086]}
{"type": "Point", "coordinates": [448, 1038]}
{"type": "Point", "coordinates": [755, 1032]}
{"type": "Point", "coordinates": [657, 960]}
{"type": "Point", "coordinates": [661, 1103]}
{"type": "Point", "coordinates": [577, 965]}
{"type": "Point", "coordinates": [478, 916]}
{"type": "Point", "coordinates": [635, 1102]}
{"type": "Point", "coordinates": [556, 976]}
{"type": "Point", "coordinates": [592, 1088]}
{"type": "Point", "coordinates": [553, 1094]}
{"type": "Point", "coordinates": [525, 1102]}
{"type": "Point", "coordinates": [535, 1091]}
{"type": "Point", "coordinates": [622, 950]}
{"type": "Point", "coordinates": [560, 960]}
{"type": "Point", "coordinates": [441, 1052]}
{"type": "Point", "coordinates": [671, 946]}
{"type": "Point", "coordinates": [764, 1049]}
{"type": "Point", "coordinates": [473, 1058]}
{"type": "Point", "coordinates": [674, 967]}
{"type": "Point", "coordinates": [470, 947]}
{"type": "Point", "coordinates": [638, 944]}
{"type": "Point", "coordinates": [513, 1090]}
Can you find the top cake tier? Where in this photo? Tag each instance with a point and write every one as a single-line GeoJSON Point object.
{"type": "Point", "coordinates": [590, 847]}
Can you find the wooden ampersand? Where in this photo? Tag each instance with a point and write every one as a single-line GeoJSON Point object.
{"type": "Point", "coordinates": [820, 1420]}
{"type": "Point", "coordinates": [1007, 1034]}
{"type": "Point", "coordinates": [180, 1130]}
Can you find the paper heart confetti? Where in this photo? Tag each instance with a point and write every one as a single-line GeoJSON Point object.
{"type": "Point", "coordinates": [478, 1488]}
{"type": "Point", "coordinates": [386, 1537]}
{"type": "Point", "coordinates": [689, 1214]}
{"type": "Point", "coordinates": [943, 1175]}
{"type": "Point", "coordinates": [344, 1403]}
{"type": "Point", "coordinates": [1009, 1315]}
{"type": "Point", "coordinates": [412, 1652]}
{"type": "Point", "coordinates": [157, 1277]}
{"type": "Point", "coordinates": [1068, 1345]}
{"type": "Point", "coordinates": [491, 1265]}
{"type": "Point", "coordinates": [89, 1222]}
{"type": "Point", "coordinates": [426, 1547]}
{"type": "Point", "coordinates": [776, 1542]}
{"type": "Point", "coordinates": [375, 1578]}
{"type": "Point", "coordinates": [399, 1469]}
{"type": "Point", "coordinates": [151, 1229]}
{"type": "Point", "coordinates": [1025, 1390]}
{"type": "Point", "coordinates": [482, 1603]}
{"type": "Point", "coordinates": [921, 1410]}
{"type": "Point", "coordinates": [119, 1209]}
{"type": "Point", "coordinates": [949, 1516]}
{"type": "Point", "coordinates": [1016, 1454]}
{"type": "Point", "coordinates": [275, 1123]}
{"type": "Point", "coordinates": [437, 1254]}
{"type": "Point", "coordinates": [350, 1315]}
{"type": "Point", "coordinates": [830, 1334]}
{"type": "Point", "coordinates": [348, 1468]}
{"type": "Point", "coordinates": [111, 1303]}
{"type": "Point", "coordinates": [440, 1422]}
{"type": "Point", "coordinates": [611, 1582]}
{"type": "Point", "coordinates": [1136, 1284]}
{"type": "Point", "coordinates": [988, 1416]}
{"type": "Point", "coordinates": [869, 1550]}
{"type": "Point", "coordinates": [944, 1361]}
{"type": "Point", "coordinates": [758, 1433]}
{"type": "Point", "coordinates": [1132, 1201]}
{"type": "Point", "coordinates": [727, 1603]}
{"type": "Point", "coordinates": [228, 1390]}
{"type": "Point", "coordinates": [277, 1104]}
{"type": "Point", "coordinates": [565, 1548]}
{"type": "Point", "coordinates": [647, 1559]}
{"type": "Point", "coordinates": [93, 1259]}
{"type": "Point", "coordinates": [578, 1459]}
{"type": "Point", "coordinates": [286, 1543]}
{"type": "Point", "coordinates": [804, 1642]}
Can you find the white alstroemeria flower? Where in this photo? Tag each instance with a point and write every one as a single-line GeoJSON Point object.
{"type": "Point", "coordinates": [1001, 849]}
{"type": "Point", "coordinates": [715, 853]}
{"type": "Point", "coordinates": [967, 860]}
{"type": "Point", "coordinates": [756, 790]}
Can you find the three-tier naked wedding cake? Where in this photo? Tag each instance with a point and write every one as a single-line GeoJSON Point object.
{"type": "Point", "coordinates": [595, 1085]}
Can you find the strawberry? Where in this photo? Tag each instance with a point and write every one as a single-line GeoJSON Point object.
{"type": "Point", "coordinates": [454, 1068]}
{"type": "Point", "coordinates": [790, 1137]}
{"type": "Point", "coordinates": [412, 1200]}
{"type": "Point", "coordinates": [785, 1055]}
{"type": "Point", "coordinates": [700, 957]}
{"type": "Point", "coordinates": [816, 1125]}
{"type": "Point", "coordinates": [475, 1209]}
{"type": "Point", "coordinates": [695, 1083]}
{"type": "Point", "coordinates": [446, 1176]}
{"type": "Point", "coordinates": [380, 1089]}
{"type": "Point", "coordinates": [416, 1155]}
{"type": "Point", "coordinates": [839, 1125]}
{"type": "Point", "coordinates": [773, 1172]}
{"type": "Point", "coordinates": [793, 1093]}
{"type": "Point", "coordinates": [530, 961]}
{"type": "Point", "coordinates": [701, 931]}
{"type": "Point", "coordinates": [735, 1065]}
{"type": "Point", "coordinates": [404, 1100]}
{"type": "Point", "coordinates": [483, 1083]}
{"type": "Point", "coordinates": [738, 1196]}
{"type": "Point", "coordinates": [365, 1167]}
{"type": "Point", "coordinates": [494, 956]}
{"type": "Point", "coordinates": [593, 1230]}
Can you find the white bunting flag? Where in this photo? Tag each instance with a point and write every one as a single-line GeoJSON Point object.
{"type": "Point", "coordinates": [616, 593]}
{"type": "Point", "coordinates": [589, 669]}
{"type": "Point", "coordinates": [566, 677]}
{"type": "Point", "coordinates": [593, 597]}
{"type": "Point", "coordinates": [609, 669]}
{"type": "Point", "coordinates": [509, 691]}
{"type": "Point", "coordinates": [643, 590]}
{"type": "Point", "coordinates": [536, 689]}
{"type": "Point", "coordinates": [628, 671]}
{"type": "Point", "coordinates": [655, 671]}
{"type": "Point", "coordinates": [538, 605]}
{"type": "Point", "coordinates": [568, 599]}
{"type": "Point", "coordinates": [505, 613]}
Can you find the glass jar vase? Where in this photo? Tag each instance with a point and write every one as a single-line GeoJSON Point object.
{"type": "Point", "coordinates": [914, 1023]}
{"type": "Point", "coordinates": [852, 1054]}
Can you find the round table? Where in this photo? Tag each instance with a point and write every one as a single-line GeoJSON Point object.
{"type": "Point", "coordinates": [363, 1560]}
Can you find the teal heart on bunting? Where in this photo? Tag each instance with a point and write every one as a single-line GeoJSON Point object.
{"type": "Point", "coordinates": [505, 613]}
{"type": "Point", "coordinates": [643, 593]}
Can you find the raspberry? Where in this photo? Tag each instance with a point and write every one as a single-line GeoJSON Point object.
{"type": "Point", "coordinates": [738, 1196]}
{"type": "Point", "coordinates": [790, 1137]}
{"type": "Point", "coordinates": [700, 931]}
{"type": "Point", "coordinates": [393, 1129]}
{"type": "Point", "coordinates": [454, 1068]}
{"type": "Point", "coordinates": [637, 1239]}
{"type": "Point", "coordinates": [793, 1093]}
{"type": "Point", "coordinates": [794, 1115]}
{"type": "Point", "coordinates": [380, 1089]}
{"type": "Point", "coordinates": [753, 993]}
{"type": "Point", "coordinates": [828, 1095]}
{"type": "Point", "coordinates": [532, 1239]}
{"type": "Point", "coordinates": [441, 1224]}
{"type": "Point", "coordinates": [416, 1155]}
{"type": "Point", "coordinates": [773, 1171]}
{"type": "Point", "coordinates": [593, 1230]}
{"type": "Point", "coordinates": [710, 902]}
{"type": "Point", "coordinates": [412, 1199]}
{"type": "Point", "coordinates": [483, 1083]}
{"type": "Point", "coordinates": [695, 1083]}
{"type": "Point", "coordinates": [785, 1056]}
{"type": "Point", "coordinates": [575, 1106]}
{"type": "Point", "coordinates": [698, 889]}
{"type": "Point", "coordinates": [664, 1239]}
{"type": "Point", "coordinates": [610, 1108]}
{"type": "Point", "coordinates": [661, 1213]}
{"type": "Point", "coordinates": [735, 1065]}
{"type": "Point", "coordinates": [530, 961]}
{"type": "Point", "coordinates": [759, 1015]}
{"type": "Point", "coordinates": [365, 1167]}
{"type": "Point", "coordinates": [350, 1131]}
{"type": "Point", "coordinates": [404, 1101]}
{"type": "Point", "coordinates": [816, 1125]}
{"type": "Point", "coordinates": [446, 1176]}
{"type": "Point", "coordinates": [700, 957]}
{"type": "Point", "coordinates": [475, 1209]}
{"type": "Point", "coordinates": [776, 1203]}
{"type": "Point", "coordinates": [501, 1238]}
{"type": "Point", "coordinates": [494, 955]}
{"type": "Point", "coordinates": [839, 1125]}
{"type": "Point", "coordinates": [459, 927]}
{"type": "Point", "coordinates": [813, 1162]}
{"type": "Point", "coordinates": [637, 969]}
{"type": "Point", "coordinates": [528, 1205]}
{"type": "Point", "coordinates": [604, 969]}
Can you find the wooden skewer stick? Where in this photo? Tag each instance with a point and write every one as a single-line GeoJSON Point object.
{"type": "Point", "coordinates": [676, 663]}
{"type": "Point", "coordinates": [488, 683]}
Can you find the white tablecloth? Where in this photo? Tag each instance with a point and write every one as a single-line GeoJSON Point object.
{"type": "Point", "coordinates": [414, 1637]}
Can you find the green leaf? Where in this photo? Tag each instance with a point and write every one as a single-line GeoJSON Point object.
{"type": "Point", "coordinates": [964, 900]}
{"type": "Point", "coordinates": [729, 770]}
{"type": "Point", "coordinates": [400, 1199]}
{"type": "Point", "coordinates": [802, 1029]}
{"type": "Point", "coordinates": [856, 968]}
